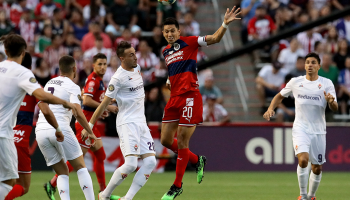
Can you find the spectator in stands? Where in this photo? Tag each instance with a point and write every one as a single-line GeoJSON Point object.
{"type": "Point", "coordinates": [302, 18]}
{"type": "Point", "coordinates": [186, 6]}
{"type": "Point", "coordinates": [16, 11]}
{"type": "Point", "coordinates": [60, 25]}
{"type": "Point", "coordinates": [71, 43]}
{"type": "Point", "coordinates": [261, 26]}
{"type": "Point", "coordinates": [298, 5]}
{"type": "Point", "coordinates": [27, 27]}
{"type": "Point", "coordinates": [154, 105]}
{"type": "Point", "coordinates": [340, 4]}
{"type": "Point", "coordinates": [343, 27]}
{"type": "Point", "coordinates": [161, 71]}
{"type": "Point", "coordinates": [288, 57]}
{"type": "Point", "coordinates": [54, 52]}
{"type": "Point", "coordinates": [147, 61]}
{"type": "Point", "coordinates": [191, 26]}
{"type": "Point", "coordinates": [299, 67]}
{"type": "Point", "coordinates": [328, 70]}
{"type": "Point", "coordinates": [157, 41]}
{"type": "Point", "coordinates": [45, 38]}
{"type": "Point", "coordinates": [42, 71]}
{"type": "Point", "coordinates": [5, 25]}
{"type": "Point", "coordinates": [95, 11]}
{"type": "Point", "coordinates": [201, 56]}
{"type": "Point", "coordinates": [273, 6]}
{"type": "Point", "coordinates": [248, 8]}
{"type": "Point", "coordinates": [284, 19]}
{"type": "Point", "coordinates": [209, 89]}
{"type": "Point", "coordinates": [331, 40]}
{"type": "Point", "coordinates": [127, 36]}
{"type": "Point", "coordinates": [340, 56]}
{"type": "Point", "coordinates": [44, 10]}
{"type": "Point", "coordinates": [79, 59]}
{"type": "Point", "coordinates": [320, 49]}
{"type": "Point", "coordinates": [111, 69]}
{"type": "Point", "coordinates": [83, 74]}
{"type": "Point", "coordinates": [165, 11]}
{"type": "Point", "coordinates": [120, 16]}
{"type": "Point", "coordinates": [31, 51]}
{"type": "Point", "coordinates": [31, 4]}
{"type": "Point", "coordinates": [78, 26]}
{"type": "Point", "coordinates": [88, 40]}
{"type": "Point", "coordinates": [286, 109]}
{"type": "Point", "coordinates": [307, 40]}
{"type": "Point", "coordinates": [98, 48]}
{"type": "Point", "coordinates": [269, 81]}
{"type": "Point", "coordinates": [78, 4]}
{"type": "Point", "coordinates": [344, 87]}
{"type": "Point", "coordinates": [214, 112]}
{"type": "Point", "coordinates": [5, 6]}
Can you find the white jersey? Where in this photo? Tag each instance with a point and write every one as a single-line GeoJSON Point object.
{"type": "Point", "coordinates": [63, 88]}
{"type": "Point", "coordinates": [127, 88]}
{"type": "Point", "coordinates": [310, 103]}
{"type": "Point", "coordinates": [16, 81]}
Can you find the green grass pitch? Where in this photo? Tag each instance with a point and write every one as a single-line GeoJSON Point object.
{"type": "Point", "coordinates": [215, 186]}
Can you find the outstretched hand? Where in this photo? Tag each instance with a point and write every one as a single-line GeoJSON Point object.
{"type": "Point", "coordinates": [231, 15]}
{"type": "Point", "coordinates": [329, 98]}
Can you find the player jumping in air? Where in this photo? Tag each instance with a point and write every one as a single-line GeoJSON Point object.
{"type": "Point", "coordinates": [56, 153]}
{"type": "Point", "coordinates": [184, 110]}
{"type": "Point", "coordinates": [126, 86]}
{"type": "Point", "coordinates": [94, 92]}
{"type": "Point", "coordinates": [16, 82]}
{"type": "Point", "coordinates": [312, 93]}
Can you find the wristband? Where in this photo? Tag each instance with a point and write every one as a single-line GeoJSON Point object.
{"type": "Point", "coordinates": [224, 25]}
{"type": "Point", "coordinates": [58, 129]}
{"type": "Point", "coordinates": [91, 125]}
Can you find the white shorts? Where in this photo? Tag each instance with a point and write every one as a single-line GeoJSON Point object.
{"type": "Point", "coordinates": [135, 138]}
{"type": "Point", "coordinates": [313, 144]}
{"type": "Point", "coordinates": [8, 160]}
{"type": "Point", "coordinates": [55, 151]}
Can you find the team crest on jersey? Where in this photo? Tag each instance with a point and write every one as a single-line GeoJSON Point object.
{"type": "Point", "coordinates": [79, 97]}
{"type": "Point", "coordinates": [32, 80]}
{"type": "Point", "coordinates": [189, 101]}
{"type": "Point", "coordinates": [319, 86]}
{"type": "Point", "coordinates": [171, 52]}
{"type": "Point", "coordinates": [296, 147]}
{"type": "Point", "coordinates": [111, 87]}
{"type": "Point", "coordinates": [136, 147]}
{"type": "Point", "coordinates": [301, 85]}
{"type": "Point", "coordinates": [147, 176]}
{"type": "Point", "coordinates": [176, 46]}
{"type": "Point", "coordinates": [91, 89]}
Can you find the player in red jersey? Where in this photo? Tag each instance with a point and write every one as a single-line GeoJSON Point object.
{"type": "Point", "coordinates": [22, 130]}
{"type": "Point", "coordinates": [184, 109]}
{"type": "Point", "coordinates": [94, 92]}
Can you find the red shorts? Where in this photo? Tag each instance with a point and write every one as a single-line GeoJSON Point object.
{"type": "Point", "coordinates": [186, 108]}
{"type": "Point", "coordinates": [79, 129]}
{"type": "Point", "coordinates": [24, 161]}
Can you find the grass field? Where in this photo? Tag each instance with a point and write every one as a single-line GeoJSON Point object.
{"type": "Point", "coordinates": [216, 186]}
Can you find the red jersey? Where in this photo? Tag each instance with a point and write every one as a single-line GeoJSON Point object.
{"type": "Point", "coordinates": [24, 122]}
{"type": "Point", "coordinates": [95, 88]}
{"type": "Point", "coordinates": [181, 60]}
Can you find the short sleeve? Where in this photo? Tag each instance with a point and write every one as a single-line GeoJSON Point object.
{"type": "Point", "coordinates": [113, 88]}
{"type": "Point", "coordinates": [90, 88]}
{"type": "Point", "coordinates": [28, 82]}
{"type": "Point", "coordinates": [75, 95]}
{"type": "Point", "coordinates": [263, 72]}
{"type": "Point", "coordinates": [330, 89]}
{"type": "Point", "coordinates": [286, 91]}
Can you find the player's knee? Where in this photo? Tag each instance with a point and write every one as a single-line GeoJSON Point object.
{"type": "Point", "coordinates": [150, 162]}
{"type": "Point", "coordinates": [166, 142]}
{"type": "Point", "coordinates": [303, 162]}
{"type": "Point", "coordinates": [317, 169]}
{"type": "Point", "coordinates": [25, 190]}
{"type": "Point", "coordinates": [130, 164]}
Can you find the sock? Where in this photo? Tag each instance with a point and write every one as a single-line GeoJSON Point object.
{"type": "Point", "coordinates": [303, 175]}
{"type": "Point", "coordinates": [53, 181]}
{"type": "Point", "coordinates": [120, 174]}
{"type": "Point", "coordinates": [4, 190]}
{"type": "Point", "coordinates": [314, 182]}
{"type": "Point", "coordinates": [141, 176]}
{"type": "Point", "coordinates": [99, 167]}
{"type": "Point", "coordinates": [193, 158]}
{"type": "Point", "coordinates": [181, 164]}
{"type": "Point", "coordinates": [16, 191]}
{"type": "Point", "coordinates": [86, 183]}
{"type": "Point", "coordinates": [63, 187]}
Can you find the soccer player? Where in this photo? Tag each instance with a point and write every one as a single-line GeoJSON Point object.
{"type": "Point", "coordinates": [16, 82]}
{"type": "Point", "coordinates": [56, 153]}
{"type": "Point", "coordinates": [94, 92]}
{"type": "Point", "coordinates": [126, 86]}
{"type": "Point", "coordinates": [312, 93]}
{"type": "Point", "coordinates": [184, 110]}
{"type": "Point", "coordinates": [22, 130]}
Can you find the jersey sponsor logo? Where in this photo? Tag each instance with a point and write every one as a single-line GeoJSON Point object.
{"type": "Point", "coordinates": [56, 82]}
{"type": "Point", "coordinates": [147, 176]}
{"type": "Point", "coordinates": [111, 87]}
{"type": "Point", "coordinates": [174, 57]}
{"type": "Point", "coordinates": [319, 86]}
{"type": "Point", "coordinates": [18, 132]}
{"type": "Point", "coordinates": [24, 104]}
{"type": "Point", "coordinates": [315, 98]}
{"type": "Point", "coordinates": [17, 139]}
{"type": "Point", "coordinates": [90, 89]}
{"type": "Point", "coordinates": [177, 46]}
{"type": "Point", "coordinates": [32, 80]}
{"type": "Point", "coordinates": [3, 70]}
{"type": "Point", "coordinates": [136, 88]}
{"type": "Point", "coordinates": [79, 97]}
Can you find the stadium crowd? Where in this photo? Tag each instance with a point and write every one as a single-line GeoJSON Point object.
{"type": "Point", "coordinates": [285, 59]}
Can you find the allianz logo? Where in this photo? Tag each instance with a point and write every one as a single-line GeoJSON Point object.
{"type": "Point", "coordinates": [280, 151]}
{"type": "Point", "coordinates": [317, 97]}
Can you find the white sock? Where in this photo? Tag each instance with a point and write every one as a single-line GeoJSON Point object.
{"type": "Point", "coordinates": [86, 183]}
{"type": "Point", "coordinates": [303, 175]}
{"type": "Point", "coordinates": [314, 182]}
{"type": "Point", "coordinates": [120, 174]}
{"type": "Point", "coordinates": [63, 186]}
{"type": "Point", "coordinates": [141, 176]}
{"type": "Point", "coordinates": [4, 190]}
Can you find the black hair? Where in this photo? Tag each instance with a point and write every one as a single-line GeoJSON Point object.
{"type": "Point", "coordinates": [313, 55]}
{"type": "Point", "coordinates": [171, 21]}
{"type": "Point", "coordinates": [122, 46]}
{"type": "Point", "coordinates": [98, 56]}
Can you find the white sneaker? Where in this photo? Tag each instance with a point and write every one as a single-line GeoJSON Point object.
{"type": "Point", "coordinates": [102, 198]}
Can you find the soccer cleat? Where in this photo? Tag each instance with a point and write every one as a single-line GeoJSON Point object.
{"type": "Point", "coordinates": [172, 193]}
{"type": "Point", "coordinates": [202, 161]}
{"type": "Point", "coordinates": [50, 190]}
{"type": "Point", "coordinates": [115, 197]}
{"type": "Point", "coordinates": [301, 198]}
{"type": "Point", "coordinates": [313, 198]}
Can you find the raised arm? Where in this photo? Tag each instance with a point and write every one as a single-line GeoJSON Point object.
{"type": "Point", "coordinates": [274, 103]}
{"type": "Point", "coordinates": [229, 17]}
{"type": "Point", "coordinates": [51, 119]}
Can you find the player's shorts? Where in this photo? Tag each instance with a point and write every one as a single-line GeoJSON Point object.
{"type": "Point", "coordinates": [8, 160]}
{"type": "Point", "coordinates": [135, 138]}
{"type": "Point", "coordinates": [86, 144]}
{"type": "Point", "coordinates": [314, 144]}
{"type": "Point", "coordinates": [24, 161]}
{"type": "Point", "coordinates": [186, 108]}
{"type": "Point", "coordinates": [55, 151]}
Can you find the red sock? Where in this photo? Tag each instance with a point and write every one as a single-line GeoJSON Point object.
{"type": "Point", "coordinates": [53, 181]}
{"type": "Point", "coordinates": [181, 164]}
{"type": "Point", "coordinates": [193, 158]}
{"type": "Point", "coordinates": [99, 167]}
{"type": "Point", "coordinates": [16, 191]}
